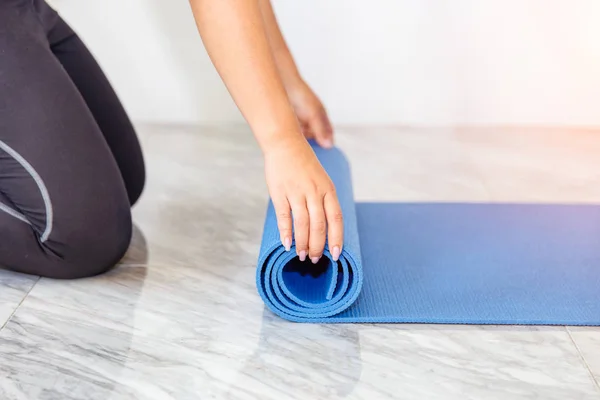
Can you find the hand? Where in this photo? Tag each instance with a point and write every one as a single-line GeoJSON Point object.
{"type": "Point", "coordinates": [300, 187]}
{"type": "Point", "coordinates": [311, 114]}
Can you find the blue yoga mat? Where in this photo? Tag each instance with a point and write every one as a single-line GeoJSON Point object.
{"type": "Point", "coordinates": [440, 263]}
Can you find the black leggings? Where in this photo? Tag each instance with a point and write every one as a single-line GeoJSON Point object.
{"type": "Point", "coordinates": [70, 162]}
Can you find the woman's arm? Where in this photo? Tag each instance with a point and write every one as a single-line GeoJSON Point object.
{"type": "Point", "coordinates": [307, 106]}
{"type": "Point", "coordinates": [234, 35]}
{"type": "Point", "coordinates": [281, 52]}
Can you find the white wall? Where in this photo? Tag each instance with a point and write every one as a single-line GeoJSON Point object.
{"type": "Point", "coordinates": [425, 62]}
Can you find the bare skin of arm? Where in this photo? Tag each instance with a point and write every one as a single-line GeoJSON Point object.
{"type": "Point", "coordinates": [235, 37]}
{"type": "Point", "coordinates": [311, 113]}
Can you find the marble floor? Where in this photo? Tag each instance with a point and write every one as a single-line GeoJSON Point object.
{"type": "Point", "coordinates": [180, 318]}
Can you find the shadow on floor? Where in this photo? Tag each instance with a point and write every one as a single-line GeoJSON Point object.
{"type": "Point", "coordinates": [85, 326]}
{"type": "Point", "coordinates": [137, 254]}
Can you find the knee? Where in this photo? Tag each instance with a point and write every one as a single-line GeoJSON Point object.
{"type": "Point", "coordinates": [134, 173]}
{"type": "Point", "coordinates": [89, 252]}
{"type": "Point", "coordinates": [135, 188]}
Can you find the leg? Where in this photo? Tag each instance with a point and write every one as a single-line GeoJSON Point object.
{"type": "Point", "coordinates": [103, 103]}
{"type": "Point", "coordinates": [64, 210]}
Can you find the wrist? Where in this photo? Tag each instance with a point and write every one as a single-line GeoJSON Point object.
{"type": "Point", "coordinates": [274, 123]}
{"type": "Point", "coordinates": [282, 139]}
{"type": "Point", "coordinates": [292, 81]}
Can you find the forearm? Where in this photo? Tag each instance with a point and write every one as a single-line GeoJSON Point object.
{"type": "Point", "coordinates": [235, 38]}
{"type": "Point", "coordinates": [281, 52]}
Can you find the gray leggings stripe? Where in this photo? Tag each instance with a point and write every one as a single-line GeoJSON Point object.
{"type": "Point", "coordinates": [14, 213]}
{"type": "Point", "coordinates": [41, 186]}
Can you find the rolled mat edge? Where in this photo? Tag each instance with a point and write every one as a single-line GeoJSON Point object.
{"type": "Point", "coordinates": [286, 285]}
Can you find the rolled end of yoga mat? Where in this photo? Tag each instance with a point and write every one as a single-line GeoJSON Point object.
{"type": "Point", "coordinates": [303, 291]}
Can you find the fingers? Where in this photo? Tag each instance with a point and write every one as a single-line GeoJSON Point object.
{"type": "Point", "coordinates": [310, 225]}
{"type": "Point", "coordinates": [284, 221]}
{"type": "Point", "coordinates": [314, 222]}
{"type": "Point", "coordinates": [335, 222]}
{"type": "Point", "coordinates": [321, 128]}
{"type": "Point", "coordinates": [301, 227]}
{"type": "Point", "coordinates": [318, 229]}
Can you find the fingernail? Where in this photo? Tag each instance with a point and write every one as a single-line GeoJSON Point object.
{"type": "Point", "coordinates": [314, 260]}
{"type": "Point", "coordinates": [328, 143]}
{"type": "Point", "coordinates": [302, 255]}
{"type": "Point", "coordinates": [287, 243]}
{"type": "Point", "coordinates": [336, 253]}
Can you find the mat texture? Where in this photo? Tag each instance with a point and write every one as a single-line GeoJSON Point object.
{"type": "Point", "coordinates": [440, 263]}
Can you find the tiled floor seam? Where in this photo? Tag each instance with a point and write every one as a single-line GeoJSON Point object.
{"type": "Point", "coordinates": [19, 305]}
{"type": "Point", "coordinates": [583, 360]}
